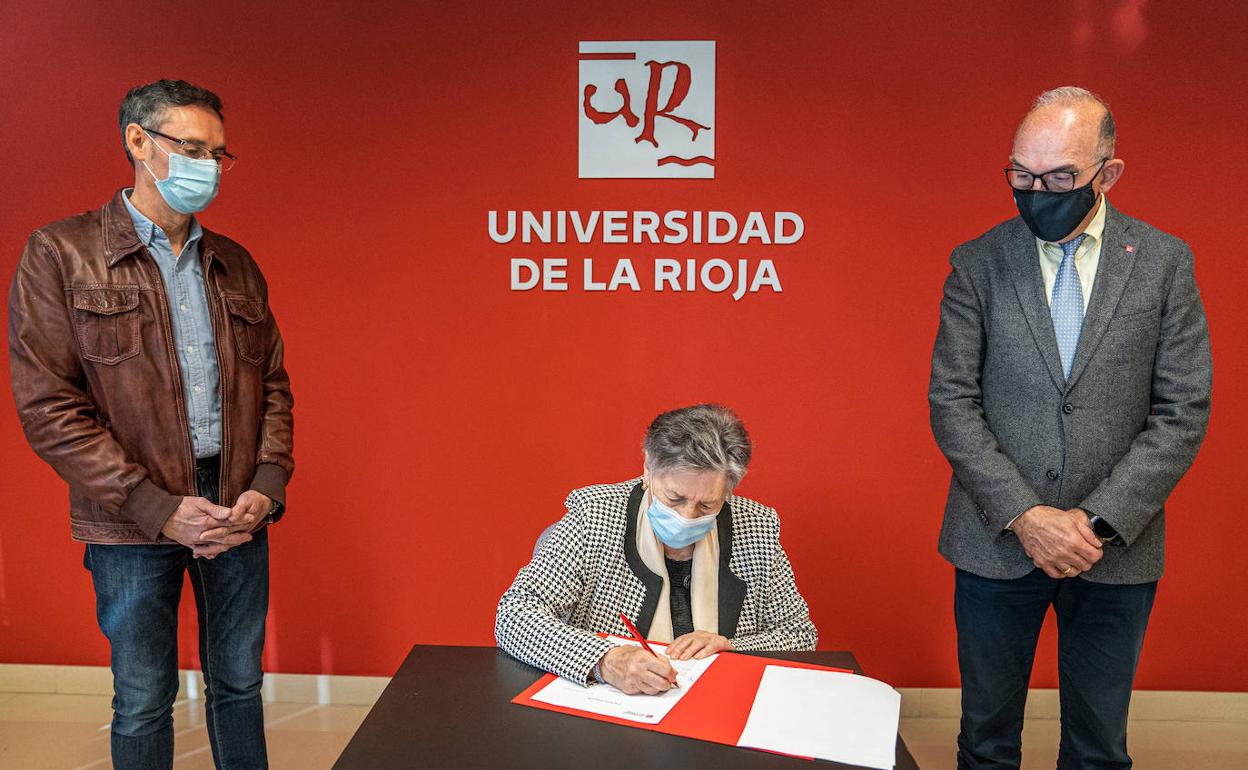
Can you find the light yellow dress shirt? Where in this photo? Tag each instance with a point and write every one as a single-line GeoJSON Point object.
{"type": "Point", "coordinates": [1087, 257]}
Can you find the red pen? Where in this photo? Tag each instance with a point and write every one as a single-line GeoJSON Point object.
{"type": "Point", "coordinates": [637, 635]}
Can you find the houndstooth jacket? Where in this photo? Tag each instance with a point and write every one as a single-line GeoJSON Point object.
{"type": "Point", "coordinates": [588, 571]}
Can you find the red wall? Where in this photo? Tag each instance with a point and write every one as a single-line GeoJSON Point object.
{"type": "Point", "coordinates": [441, 417]}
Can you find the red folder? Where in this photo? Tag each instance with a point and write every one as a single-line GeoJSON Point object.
{"type": "Point", "coordinates": [715, 708]}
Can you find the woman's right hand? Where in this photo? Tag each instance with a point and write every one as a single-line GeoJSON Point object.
{"type": "Point", "coordinates": [633, 670]}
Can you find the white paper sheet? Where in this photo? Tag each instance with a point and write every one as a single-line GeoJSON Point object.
{"type": "Point", "coordinates": [607, 700]}
{"type": "Point", "coordinates": [825, 714]}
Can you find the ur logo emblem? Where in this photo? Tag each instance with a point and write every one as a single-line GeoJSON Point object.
{"type": "Point", "coordinates": [647, 109]}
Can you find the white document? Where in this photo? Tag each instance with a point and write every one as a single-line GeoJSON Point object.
{"type": "Point", "coordinates": [825, 714]}
{"type": "Point", "coordinates": [607, 700]}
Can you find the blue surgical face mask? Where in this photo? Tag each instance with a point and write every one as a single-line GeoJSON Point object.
{"type": "Point", "coordinates": [191, 184]}
{"type": "Point", "coordinates": [675, 530]}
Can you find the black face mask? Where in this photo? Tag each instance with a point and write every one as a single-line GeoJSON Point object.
{"type": "Point", "coordinates": [1054, 215]}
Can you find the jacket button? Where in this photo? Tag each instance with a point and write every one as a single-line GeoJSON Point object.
{"type": "Point", "coordinates": [1052, 474]}
{"type": "Point", "coordinates": [1068, 407]}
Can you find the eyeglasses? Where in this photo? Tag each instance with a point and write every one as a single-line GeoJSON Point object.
{"type": "Point", "coordinates": [197, 151]}
{"type": "Point", "coordinates": [1053, 181]}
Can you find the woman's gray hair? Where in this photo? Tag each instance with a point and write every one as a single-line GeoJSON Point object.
{"type": "Point", "coordinates": [706, 437]}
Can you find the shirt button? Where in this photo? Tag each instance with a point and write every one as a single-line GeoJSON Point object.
{"type": "Point", "coordinates": [191, 349]}
{"type": "Point", "coordinates": [183, 308]}
{"type": "Point", "coordinates": [200, 389]}
{"type": "Point", "coordinates": [1068, 408]}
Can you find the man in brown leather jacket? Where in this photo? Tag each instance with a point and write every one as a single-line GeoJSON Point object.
{"type": "Point", "coordinates": [147, 371]}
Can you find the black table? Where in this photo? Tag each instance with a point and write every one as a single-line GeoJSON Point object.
{"type": "Point", "coordinates": [450, 707]}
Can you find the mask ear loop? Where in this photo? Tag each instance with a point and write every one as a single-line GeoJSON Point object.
{"type": "Point", "coordinates": [156, 144]}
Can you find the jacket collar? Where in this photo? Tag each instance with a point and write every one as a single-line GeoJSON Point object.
{"type": "Point", "coordinates": [731, 587]}
{"type": "Point", "coordinates": [120, 239]}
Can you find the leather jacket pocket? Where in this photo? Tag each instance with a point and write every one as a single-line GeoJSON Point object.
{"type": "Point", "coordinates": [247, 318]}
{"type": "Point", "coordinates": [107, 323]}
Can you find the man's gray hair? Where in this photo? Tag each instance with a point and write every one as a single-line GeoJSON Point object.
{"type": "Point", "coordinates": [706, 437]}
{"type": "Point", "coordinates": [1108, 133]}
{"type": "Point", "coordinates": [146, 104]}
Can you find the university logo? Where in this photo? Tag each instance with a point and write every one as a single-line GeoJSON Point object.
{"type": "Point", "coordinates": [647, 109]}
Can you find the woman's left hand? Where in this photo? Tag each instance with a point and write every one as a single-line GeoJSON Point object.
{"type": "Point", "coordinates": [697, 645]}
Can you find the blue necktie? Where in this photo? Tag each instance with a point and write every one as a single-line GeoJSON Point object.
{"type": "Point", "coordinates": [1066, 306]}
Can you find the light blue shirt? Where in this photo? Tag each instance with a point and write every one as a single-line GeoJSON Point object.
{"type": "Point", "coordinates": [192, 328]}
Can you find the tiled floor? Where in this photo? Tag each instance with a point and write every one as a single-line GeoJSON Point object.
{"type": "Point", "coordinates": [1154, 745]}
{"type": "Point", "coordinates": [68, 732]}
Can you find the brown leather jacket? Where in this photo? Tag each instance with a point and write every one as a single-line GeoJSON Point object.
{"type": "Point", "coordinates": [98, 385]}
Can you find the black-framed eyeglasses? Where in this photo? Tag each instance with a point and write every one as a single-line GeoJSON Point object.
{"type": "Point", "coordinates": [198, 151]}
{"type": "Point", "coordinates": [1053, 181]}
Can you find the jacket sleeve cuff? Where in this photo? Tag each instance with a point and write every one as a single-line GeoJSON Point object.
{"type": "Point", "coordinates": [150, 507]}
{"type": "Point", "coordinates": [270, 481]}
{"type": "Point", "coordinates": [593, 657]}
{"type": "Point", "coordinates": [1002, 517]}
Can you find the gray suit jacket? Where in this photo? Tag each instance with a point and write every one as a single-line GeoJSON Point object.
{"type": "Point", "coordinates": [1113, 440]}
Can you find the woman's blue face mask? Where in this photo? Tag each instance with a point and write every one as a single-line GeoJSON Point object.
{"type": "Point", "coordinates": [675, 530]}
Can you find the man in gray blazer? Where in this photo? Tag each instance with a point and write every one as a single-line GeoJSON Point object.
{"type": "Point", "coordinates": [1070, 391]}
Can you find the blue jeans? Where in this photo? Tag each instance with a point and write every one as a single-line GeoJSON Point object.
{"type": "Point", "coordinates": [1100, 632]}
{"type": "Point", "coordinates": [137, 589]}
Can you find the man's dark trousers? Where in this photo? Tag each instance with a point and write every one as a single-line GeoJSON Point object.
{"type": "Point", "coordinates": [1100, 635]}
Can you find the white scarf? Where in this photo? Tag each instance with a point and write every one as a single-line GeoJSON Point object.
{"type": "Point", "coordinates": [704, 588]}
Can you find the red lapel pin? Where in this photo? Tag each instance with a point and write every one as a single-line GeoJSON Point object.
{"type": "Point", "coordinates": [1130, 249]}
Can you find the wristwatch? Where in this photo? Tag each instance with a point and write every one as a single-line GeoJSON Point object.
{"type": "Point", "coordinates": [1103, 529]}
{"type": "Point", "coordinates": [274, 508]}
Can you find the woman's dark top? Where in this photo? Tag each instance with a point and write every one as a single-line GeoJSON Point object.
{"type": "Point", "coordinates": [680, 577]}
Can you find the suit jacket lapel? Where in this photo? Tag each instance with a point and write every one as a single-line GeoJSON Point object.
{"type": "Point", "coordinates": [1024, 266]}
{"type": "Point", "coordinates": [653, 583]}
{"type": "Point", "coordinates": [731, 587]}
{"type": "Point", "coordinates": [1111, 279]}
